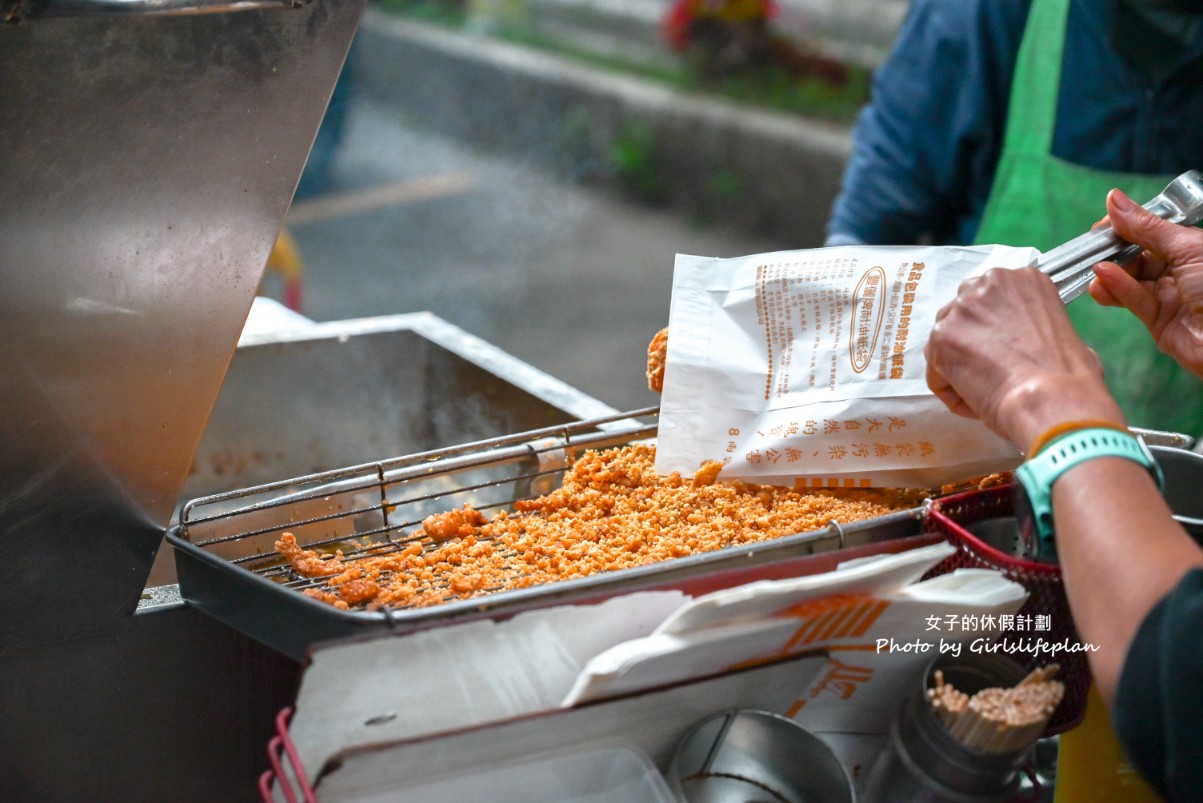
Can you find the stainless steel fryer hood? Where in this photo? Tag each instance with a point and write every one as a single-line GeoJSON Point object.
{"type": "Point", "coordinates": [148, 163]}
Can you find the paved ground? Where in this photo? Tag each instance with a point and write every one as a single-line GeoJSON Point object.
{"type": "Point", "coordinates": [570, 280]}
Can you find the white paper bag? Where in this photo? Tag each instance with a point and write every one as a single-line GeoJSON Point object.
{"type": "Point", "coordinates": [845, 612]}
{"type": "Point", "coordinates": [873, 644]}
{"type": "Point", "coordinates": [808, 366]}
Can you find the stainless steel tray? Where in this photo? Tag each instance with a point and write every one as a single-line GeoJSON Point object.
{"type": "Point", "coordinates": [227, 564]}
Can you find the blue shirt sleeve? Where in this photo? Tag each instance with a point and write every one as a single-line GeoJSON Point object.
{"type": "Point", "coordinates": [1158, 708]}
{"type": "Point", "coordinates": [926, 146]}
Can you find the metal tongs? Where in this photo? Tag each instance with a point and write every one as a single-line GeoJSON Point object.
{"type": "Point", "coordinates": [1071, 264]}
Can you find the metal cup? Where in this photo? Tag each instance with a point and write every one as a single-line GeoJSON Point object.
{"type": "Point", "coordinates": [747, 756]}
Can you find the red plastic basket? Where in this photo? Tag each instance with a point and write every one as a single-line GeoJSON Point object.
{"type": "Point", "coordinates": [950, 516]}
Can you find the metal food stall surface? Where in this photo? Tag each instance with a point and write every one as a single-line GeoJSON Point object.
{"type": "Point", "coordinates": [152, 155]}
{"type": "Point", "coordinates": [152, 152]}
{"type": "Point", "coordinates": [175, 705]}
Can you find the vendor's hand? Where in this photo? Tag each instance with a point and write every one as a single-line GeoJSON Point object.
{"type": "Point", "coordinates": [1163, 286]}
{"type": "Point", "coordinates": [1004, 351]}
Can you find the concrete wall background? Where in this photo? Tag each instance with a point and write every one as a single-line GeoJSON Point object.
{"type": "Point", "coordinates": [856, 31]}
{"type": "Point", "coordinates": [763, 172]}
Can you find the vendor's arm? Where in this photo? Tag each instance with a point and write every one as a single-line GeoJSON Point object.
{"type": "Point", "coordinates": [1004, 351]}
{"type": "Point", "coordinates": [925, 148]}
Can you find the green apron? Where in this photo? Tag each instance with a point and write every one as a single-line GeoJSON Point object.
{"type": "Point", "coordinates": [1042, 201]}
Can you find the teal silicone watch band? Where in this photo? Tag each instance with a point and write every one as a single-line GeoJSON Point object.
{"type": "Point", "coordinates": [1038, 474]}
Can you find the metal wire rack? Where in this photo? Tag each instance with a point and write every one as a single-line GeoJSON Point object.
{"type": "Point", "coordinates": [228, 564]}
{"type": "Point", "coordinates": [378, 508]}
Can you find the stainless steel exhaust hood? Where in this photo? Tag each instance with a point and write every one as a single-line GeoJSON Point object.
{"type": "Point", "coordinates": [150, 154]}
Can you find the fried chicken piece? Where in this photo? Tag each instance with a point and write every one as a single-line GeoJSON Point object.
{"type": "Point", "coordinates": [657, 353]}
{"type": "Point", "coordinates": [306, 562]}
{"type": "Point", "coordinates": [357, 592]}
{"type": "Point", "coordinates": [326, 597]}
{"type": "Point", "coordinates": [465, 584]}
{"type": "Point", "coordinates": [454, 523]}
{"type": "Point", "coordinates": [994, 480]}
{"type": "Point", "coordinates": [708, 473]}
{"type": "Point", "coordinates": [978, 483]}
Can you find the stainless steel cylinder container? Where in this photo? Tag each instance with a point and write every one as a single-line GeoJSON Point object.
{"type": "Point", "coordinates": [746, 756]}
{"type": "Point", "coordinates": [925, 763]}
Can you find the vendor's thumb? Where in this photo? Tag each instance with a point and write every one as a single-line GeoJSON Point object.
{"type": "Point", "coordinates": [1136, 224]}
